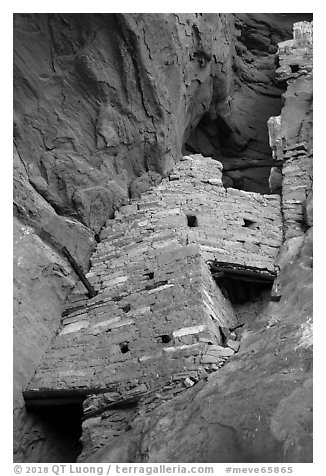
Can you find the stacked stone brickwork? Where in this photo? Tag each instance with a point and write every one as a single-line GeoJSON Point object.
{"type": "Point", "coordinates": [141, 329]}
{"type": "Point", "coordinates": [291, 132]}
{"type": "Point", "coordinates": [296, 186]}
{"type": "Point", "coordinates": [158, 313]}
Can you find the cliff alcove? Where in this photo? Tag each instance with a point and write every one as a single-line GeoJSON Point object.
{"type": "Point", "coordinates": [241, 289]}
{"type": "Point", "coordinates": [143, 151]}
{"type": "Point", "coordinates": [243, 168]}
{"type": "Point", "coordinates": [234, 130]}
{"type": "Point", "coordinates": [62, 427]}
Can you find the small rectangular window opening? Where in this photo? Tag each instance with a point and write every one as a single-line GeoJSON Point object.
{"type": "Point", "coordinates": [124, 347]}
{"type": "Point", "coordinates": [165, 338]}
{"type": "Point", "coordinates": [248, 223]}
{"type": "Point", "coordinates": [192, 221]}
{"type": "Point", "coordinates": [126, 308]}
{"type": "Point", "coordinates": [295, 68]}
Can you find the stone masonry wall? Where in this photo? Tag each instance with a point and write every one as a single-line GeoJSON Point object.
{"type": "Point", "coordinates": [291, 132]}
{"type": "Point", "coordinates": [158, 313]}
{"type": "Point", "coordinates": [141, 330]}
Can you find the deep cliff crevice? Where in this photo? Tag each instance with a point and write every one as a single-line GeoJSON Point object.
{"type": "Point", "coordinates": [236, 128]}
{"type": "Point", "coordinates": [102, 113]}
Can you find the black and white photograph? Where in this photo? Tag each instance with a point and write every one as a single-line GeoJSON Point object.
{"type": "Point", "coordinates": [162, 241]}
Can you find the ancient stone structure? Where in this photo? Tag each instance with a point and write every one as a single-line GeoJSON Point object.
{"type": "Point", "coordinates": [291, 132]}
{"type": "Point", "coordinates": [160, 322]}
{"type": "Point", "coordinates": [158, 312]}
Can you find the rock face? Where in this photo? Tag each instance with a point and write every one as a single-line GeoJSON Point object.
{"type": "Point", "coordinates": [101, 115]}
{"type": "Point", "coordinates": [42, 281]}
{"type": "Point", "coordinates": [98, 104]}
{"type": "Point", "coordinates": [234, 131]}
